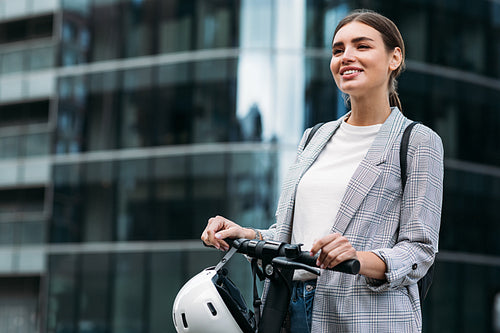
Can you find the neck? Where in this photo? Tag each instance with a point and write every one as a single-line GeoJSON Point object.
{"type": "Point", "coordinates": [368, 111]}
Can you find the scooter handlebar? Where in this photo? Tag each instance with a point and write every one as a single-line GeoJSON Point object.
{"type": "Point", "coordinates": [259, 249]}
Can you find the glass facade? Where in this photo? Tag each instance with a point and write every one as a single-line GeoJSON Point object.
{"type": "Point", "coordinates": [125, 125]}
{"type": "Point", "coordinates": [158, 199]}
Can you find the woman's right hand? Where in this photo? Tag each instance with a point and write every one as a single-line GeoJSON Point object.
{"type": "Point", "coordinates": [220, 228]}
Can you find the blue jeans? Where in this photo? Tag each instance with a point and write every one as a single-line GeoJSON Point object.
{"type": "Point", "coordinates": [300, 308]}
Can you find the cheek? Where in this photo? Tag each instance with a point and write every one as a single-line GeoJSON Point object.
{"type": "Point", "coordinates": [334, 68]}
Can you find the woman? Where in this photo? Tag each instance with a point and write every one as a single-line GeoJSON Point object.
{"type": "Point", "coordinates": [343, 196]}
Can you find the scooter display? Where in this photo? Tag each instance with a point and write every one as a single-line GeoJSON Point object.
{"type": "Point", "coordinates": [210, 302]}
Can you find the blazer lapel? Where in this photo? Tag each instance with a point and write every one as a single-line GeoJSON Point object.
{"type": "Point", "coordinates": [368, 170]}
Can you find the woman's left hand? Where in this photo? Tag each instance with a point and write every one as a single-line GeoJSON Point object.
{"type": "Point", "coordinates": [335, 249]}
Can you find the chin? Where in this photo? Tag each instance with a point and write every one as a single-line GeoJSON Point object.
{"type": "Point", "coordinates": [352, 91]}
{"type": "Point", "coordinates": [353, 88]}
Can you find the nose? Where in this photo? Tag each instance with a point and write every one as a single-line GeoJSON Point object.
{"type": "Point", "coordinates": [348, 55]}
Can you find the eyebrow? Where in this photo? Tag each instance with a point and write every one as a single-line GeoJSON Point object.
{"type": "Point", "coordinates": [354, 41]}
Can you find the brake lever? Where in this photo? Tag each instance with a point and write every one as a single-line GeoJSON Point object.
{"type": "Point", "coordinates": [289, 263]}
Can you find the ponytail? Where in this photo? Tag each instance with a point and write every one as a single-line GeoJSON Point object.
{"type": "Point", "coordinates": [393, 90]}
{"type": "Point", "coordinates": [394, 100]}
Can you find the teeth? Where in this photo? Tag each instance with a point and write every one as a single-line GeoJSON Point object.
{"type": "Point", "coordinates": [351, 71]}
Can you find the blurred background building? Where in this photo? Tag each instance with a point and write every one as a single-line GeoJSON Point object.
{"type": "Point", "coordinates": [126, 124]}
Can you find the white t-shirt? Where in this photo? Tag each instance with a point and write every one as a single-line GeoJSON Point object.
{"type": "Point", "coordinates": [322, 187]}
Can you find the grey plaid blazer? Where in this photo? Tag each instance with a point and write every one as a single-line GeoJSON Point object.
{"type": "Point", "coordinates": [401, 228]}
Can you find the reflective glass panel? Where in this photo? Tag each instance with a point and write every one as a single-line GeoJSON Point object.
{"type": "Point", "coordinates": [452, 109]}
{"type": "Point", "coordinates": [99, 210]}
{"type": "Point", "coordinates": [128, 293]}
{"type": "Point", "coordinates": [176, 25]}
{"type": "Point", "coordinates": [32, 232]}
{"type": "Point", "coordinates": [7, 233]}
{"type": "Point", "coordinates": [321, 19]}
{"type": "Point", "coordinates": [256, 23]}
{"type": "Point", "coordinates": [164, 198]}
{"type": "Point", "coordinates": [216, 24]}
{"type": "Point", "coordinates": [9, 146]}
{"type": "Point", "coordinates": [19, 304]}
{"type": "Point", "coordinates": [134, 220]}
{"type": "Point", "coordinates": [37, 144]}
{"type": "Point", "coordinates": [323, 101]}
{"type": "Point", "coordinates": [94, 291]}
{"type": "Point", "coordinates": [12, 62]}
{"type": "Point", "coordinates": [469, 310]}
{"type": "Point", "coordinates": [106, 37]}
{"type": "Point", "coordinates": [62, 290]}
{"type": "Point", "coordinates": [470, 198]}
{"type": "Point", "coordinates": [65, 225]}
{"type": "Point", "coordinates": [138, 21]}
{"type": "Point", "coordinates": [41, 58]}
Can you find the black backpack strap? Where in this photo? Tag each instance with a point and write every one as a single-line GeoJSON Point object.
{"type": "Point", "coordinates": [403, 151]}
{"type": "Point", "coordinates": [425, 282]}
{"type": "Point", "coordinates": [312, 132]}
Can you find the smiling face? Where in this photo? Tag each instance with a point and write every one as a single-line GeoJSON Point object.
{"type": "Point", "coordinates": [361, 64]}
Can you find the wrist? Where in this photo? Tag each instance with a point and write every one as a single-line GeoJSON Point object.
{"type": "Point", "coordinates": [371, 265]}
{"type": "Point", "coordinates": [248, 233]}
{"type": "Point", "coordinates": [254, 234]}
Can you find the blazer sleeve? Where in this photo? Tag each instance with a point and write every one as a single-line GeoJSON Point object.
{"type": "Point", "coordinates": [417, 243]}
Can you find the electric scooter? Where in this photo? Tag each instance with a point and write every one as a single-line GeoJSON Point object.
{"type": "Point", "coordinates": [278, 261]}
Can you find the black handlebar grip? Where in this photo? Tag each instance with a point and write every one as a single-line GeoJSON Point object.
{"type": "Point", "coordinates": [350, 266]}
{"type": "Point", "coordinates": [229, 241]}
{"type": "Point", "coordinates": [306, 258]}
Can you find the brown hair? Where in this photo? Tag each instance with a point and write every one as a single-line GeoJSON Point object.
{"type": "Point", "coordinates": [390, 35]}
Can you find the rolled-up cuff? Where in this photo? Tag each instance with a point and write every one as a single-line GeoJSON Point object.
{"type": "Point", "coordinates": [267, 235]}
{"type": "Point", "coordinates": [395, 274]}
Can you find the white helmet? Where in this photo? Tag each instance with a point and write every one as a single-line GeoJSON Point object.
{"type": "Point", "coordinates": [210, 302]}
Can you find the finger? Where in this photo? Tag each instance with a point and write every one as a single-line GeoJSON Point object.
{"type": "Point", "coordinates": [330, 251]}
{"type": "Point", "coordinates": [204, 238]}
{"type": "Point", "coordinates": [204, 234]}
{"type": "Point", "coordinates": [341, 258]}
{"type": "Point", "coordinates": [228, 233]}
{"type": "Point", "coordinates": [218, 228]}
{"type": "Point", "coordinates": [215, 224]}
{"type": "Point", "coordinates": [324, 253]}
{"type": "Point", "coordinates": [319, 244]}
{"type": "Point", "coordinates": [323, 242]}
{"type": "Point", "coordinates": [342, 253]}
{"type": "Point", "coordinates": [328, 257]}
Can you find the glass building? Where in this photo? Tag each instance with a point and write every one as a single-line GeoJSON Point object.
{"type": "Point", "coordinates": [126, 124]}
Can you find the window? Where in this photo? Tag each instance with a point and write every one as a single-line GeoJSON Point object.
{"type": "Point", "coordinates": [22, 200]}
{"type": "Point", "coordinates": [19, 304]}
{"type": "Point", "coordinates": [30, 112]}
{"type": "Point", "coordinates": [26, 29]}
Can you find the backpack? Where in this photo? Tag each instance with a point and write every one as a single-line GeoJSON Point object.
{"type": "Point", "coordinates": [425, 282]}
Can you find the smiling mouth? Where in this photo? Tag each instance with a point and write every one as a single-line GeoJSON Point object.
{"type": "Point", "coordinates": [351, 71]}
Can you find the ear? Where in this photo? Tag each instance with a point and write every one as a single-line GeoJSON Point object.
{"type": "Point", "coordinates": [396, 59]}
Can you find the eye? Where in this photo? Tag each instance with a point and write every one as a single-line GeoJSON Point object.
{"type": "Point", "coordinates": [336, 51]}
{"type": "Point", "coordinates": [363, 46]}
